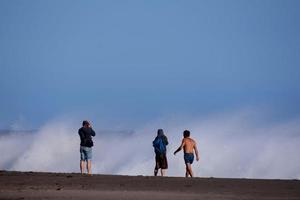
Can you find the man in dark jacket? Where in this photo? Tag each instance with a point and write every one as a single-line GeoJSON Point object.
{"type": "Point", "coordinates": [160, 149]}
{"type": "Point", "coordinates": [86, 132]}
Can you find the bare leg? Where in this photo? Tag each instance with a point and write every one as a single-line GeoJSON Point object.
{"type": "Point", "coordinates": [155, 171]}
{"type": "Point", "coordinates": [156, 167]}
{"type": "Point", "coordinates": [82, 165]}
{"type": "Point", "coordinates": [162, 172]}
{"type": "Point", "coordinates": [89, 167]}
{"type": "Point", "coordinates": [186, 171]}
{"type": "Point", "coordinates": [189, 170]}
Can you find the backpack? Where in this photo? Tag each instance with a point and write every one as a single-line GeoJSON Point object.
{"type": "Point", "coordinates": [159, 146]}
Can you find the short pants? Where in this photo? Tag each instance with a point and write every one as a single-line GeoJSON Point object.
{"type": "Point", "coordinates": [85, 153]}
{"type": "Point", "coordinates": [161, 161]}
{"type": "Point", "coordinates": [188, 158]}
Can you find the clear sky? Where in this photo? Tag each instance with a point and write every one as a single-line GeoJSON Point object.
{"type": "Point", "coordinates": [138, 60]}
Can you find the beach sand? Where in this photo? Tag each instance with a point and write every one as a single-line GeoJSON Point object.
{"type": "Point", "coordinates": [33, 185]}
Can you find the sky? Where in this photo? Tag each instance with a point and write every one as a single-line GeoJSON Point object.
{"type": "Point", "coordinates": [134, 61]}
{"type": "Point", "coordinates": [226, 70]}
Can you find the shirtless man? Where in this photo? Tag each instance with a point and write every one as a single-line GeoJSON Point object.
{"type": "Point", "coordinates": [189, 146]}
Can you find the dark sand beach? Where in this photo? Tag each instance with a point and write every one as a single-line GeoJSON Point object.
{"type": "Point", "coordinates": [33, 185]}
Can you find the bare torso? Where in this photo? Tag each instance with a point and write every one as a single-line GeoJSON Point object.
{"type": "Point", "coordinates": [188, 145]}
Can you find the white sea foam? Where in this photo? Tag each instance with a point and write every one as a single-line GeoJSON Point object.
{"type": "Point", "coordinates": [230, 145]}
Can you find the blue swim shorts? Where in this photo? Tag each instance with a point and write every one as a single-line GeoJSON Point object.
{"type": "Point", "coordinates": [188, 158]}
{"type": "Point", "coordinates": [85, 153]}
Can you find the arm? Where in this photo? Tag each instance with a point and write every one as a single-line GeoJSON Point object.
{"type": "Point", "coordinates": [81, 134]}
{"type": "Point", "coordinates": [179, 148]}
{"type": "Point", "coordinates": [166, 140]}
{"type": "Point", "coordinates": [92, 132]}
{"type": "Point", "coordinates": [196, 152]}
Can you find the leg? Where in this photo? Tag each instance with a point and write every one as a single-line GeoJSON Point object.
{"type": "Point", "coordinates": [162, 172]}
{"type": "Point", "coordinates": [189, 170]}
{"type": "Point", "coordinates": [164, 165]}
{"type": "Point", "coordinates": [157, 166]}
{"type": "Point", "coordinates": [82, 166]}
{"type": "Point", "coordinates": [89, 167]}
{"type": "Point", "coordinates": [155, 171]}
{"type": "Point", "coordinates": [186, 170]}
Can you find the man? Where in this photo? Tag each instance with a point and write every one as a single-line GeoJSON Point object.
{"type": "Point", "coordinates": [86, 132]}
{"type": "Point", "coordinates": [160, 149]}
{"type": "Point", "coordinates": [189, 146]}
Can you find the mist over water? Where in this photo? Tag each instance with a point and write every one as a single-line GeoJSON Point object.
{"type": "Point", "coordinates": [240, 144]}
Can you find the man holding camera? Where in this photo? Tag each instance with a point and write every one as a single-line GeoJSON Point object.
{"type": "Point", "coordinates": [86, 132]}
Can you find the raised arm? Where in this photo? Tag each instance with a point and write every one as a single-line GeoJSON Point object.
{"type": "Point", "coordinates": [81, 134]}
{"type": "Point", "coordinates": [196, 151]}
{"type": "Point", "coordinates": [93, 132]}
{"type": "Point", "coordinates": [166, 140]}
{"type": "Point", "coordinates": [179, 148]}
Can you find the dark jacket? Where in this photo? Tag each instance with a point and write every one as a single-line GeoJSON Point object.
{"type": "Point", "coordinates": [86, 136]}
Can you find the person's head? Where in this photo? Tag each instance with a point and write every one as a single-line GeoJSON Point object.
{"type": "Point", "coordinates": [186, 133]}
{"type": "Point", "coordinates": [85, 123]}
{"type": "Point", "coordinates": [160, 132]}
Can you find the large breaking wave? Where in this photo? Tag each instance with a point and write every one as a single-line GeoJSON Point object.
{"type": "Point", "coordinates": [241, 145]}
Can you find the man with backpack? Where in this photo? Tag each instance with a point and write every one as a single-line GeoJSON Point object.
{"type": "Point", "coordinates": [86, 132]}
{"type": "Point", "coordinates": [160, 149]}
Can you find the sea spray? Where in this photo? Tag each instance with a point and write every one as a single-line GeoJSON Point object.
{"type": "Point", "coordinates": [231, 145]}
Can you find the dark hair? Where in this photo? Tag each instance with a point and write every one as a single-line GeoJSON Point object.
{"type": "Point", "coordinates": [186, 133]}
{"type": "Point", "coordinates": [160, 132]}
{"type": "Point", "coordinates": [85, 122]}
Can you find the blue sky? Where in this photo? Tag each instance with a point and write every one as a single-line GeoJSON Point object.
{"type": "Point", "coordinates": [139, 60]}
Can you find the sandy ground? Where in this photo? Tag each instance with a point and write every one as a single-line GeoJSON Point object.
{"type": "Point", "coordinates": [29, 185]}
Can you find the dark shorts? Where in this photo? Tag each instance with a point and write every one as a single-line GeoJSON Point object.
{"type": "Point", "coordinates": [188, 158]}
{"type": "Point", "coordinates": [161, 161]}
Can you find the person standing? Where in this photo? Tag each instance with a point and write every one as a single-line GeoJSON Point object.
{"type": "Point", "coordinates": [189, 146]}
{"type": "Point", "coordinates": [86, 143]}
{"type": "Point", "coordinates": [160, 148]}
